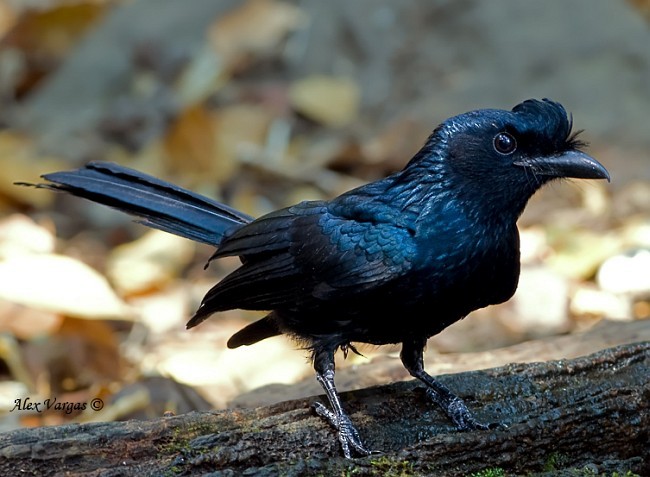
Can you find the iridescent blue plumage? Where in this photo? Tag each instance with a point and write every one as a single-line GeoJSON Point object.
{"type": "Point", "coordinates": [394, 261]}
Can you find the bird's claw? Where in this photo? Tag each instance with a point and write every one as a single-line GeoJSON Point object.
{"type": "Point", "coordinates": [347, 433]}
{"type": "Point", "coordinates": [461, 416]}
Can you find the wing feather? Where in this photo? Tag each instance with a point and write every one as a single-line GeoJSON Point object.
{"type": "Point", "coordinates": [304, 255]}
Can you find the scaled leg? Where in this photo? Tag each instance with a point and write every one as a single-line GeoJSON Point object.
{"type": "Point", "coordinates": [347, 433]}
{"type": "Point", "coordinates": [454, 407]}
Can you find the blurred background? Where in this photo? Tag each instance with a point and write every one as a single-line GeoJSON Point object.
{"type": "Point", "coordinates": [264, 103]}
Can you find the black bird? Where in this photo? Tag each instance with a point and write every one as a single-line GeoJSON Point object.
{"type": "Point", "coordinates": [393, 261]}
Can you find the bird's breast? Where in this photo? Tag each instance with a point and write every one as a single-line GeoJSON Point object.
{"type": "Point", "coordinates": [477, 266]}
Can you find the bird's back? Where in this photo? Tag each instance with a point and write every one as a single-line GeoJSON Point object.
{"type": "Point", "coordinates": [365, 268]}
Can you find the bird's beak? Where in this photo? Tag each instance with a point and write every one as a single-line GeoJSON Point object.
{"type": "Point", "coordinates": [574, 164]}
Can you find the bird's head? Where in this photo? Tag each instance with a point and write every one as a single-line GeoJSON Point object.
{"type": "Point", "coordinates": [503, 157]}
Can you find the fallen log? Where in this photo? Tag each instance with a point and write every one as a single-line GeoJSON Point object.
{"type": "Point", "coordinates": [589, 414]}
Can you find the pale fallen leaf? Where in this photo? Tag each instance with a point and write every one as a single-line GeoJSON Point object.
{"type": "Point", "coordinates": [626, 273]}
{"type": "Point", "coordinates": [165, 310]}
{"type": "Point", "coordinates": [201, 78]}
{"type": "Point", "coordinates": [533, 244]}
{"type": "Point", "coordinates": [235, 371]}
{"type": "Point", "coordinates": [9, 392]}
{"type": "Point", "coordinates": [255, 28]}
{"type": "Point", "coordinates": [201, 359]}
{"type": "Point", "coordinates": [578, 253]}
{"type": "Point", "coordinates": [237, 127]}
{"type": "Point", "coordinates": [207, 144]}
{"type": "Point", "coordinates": [148, 263]}
{"type": "Point", "coordinates": [20, 234]}
{"type": "Point", "coordinates": [332, 101]}
{"type": "Point", "coordinates": [60, 284]}
{"type": "Point", "coordinates": [540, 303]}
{"type": "Point", "coordinates": [636, 232]}
{"type": "Point", "coordinates": [588, 301]}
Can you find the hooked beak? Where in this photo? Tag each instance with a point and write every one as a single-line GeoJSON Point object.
{"type": "Point", "coordinates": [574, 164]}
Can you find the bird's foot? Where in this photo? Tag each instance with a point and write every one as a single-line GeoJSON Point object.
{"type": "Point", "coordinates": [459, 413]}
{"type": "Point", "coordinates": [347, 433]}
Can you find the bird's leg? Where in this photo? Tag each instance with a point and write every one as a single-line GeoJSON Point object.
{"type": "Point", "coordinates": [347, 433]}
{"type": "Point", "coordinates": [454, 407]}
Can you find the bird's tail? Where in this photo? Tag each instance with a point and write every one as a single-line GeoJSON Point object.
{"type": "Point", "coordinates": [157, 203]}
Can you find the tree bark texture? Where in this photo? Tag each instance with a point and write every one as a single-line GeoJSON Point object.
{"type": "Point", "coordinates": [589, 414]}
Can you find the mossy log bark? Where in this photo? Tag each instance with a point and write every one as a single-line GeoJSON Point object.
{"type": "Point", "coordinates": [588, 413]}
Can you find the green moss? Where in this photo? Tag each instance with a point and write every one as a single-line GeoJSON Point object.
{"type": "Point", "coordinates": [387, 467]}
{"type": "Point", "coordinates": [588, 472]}
{"type": "Point", "coordinates": [172, 471]}
{"type": "Point", "coordinates": [555, 461]}
{"type": "Point", "coordinates": [181, 436]}
{"type": "Point", "coordinates": [491, 472]}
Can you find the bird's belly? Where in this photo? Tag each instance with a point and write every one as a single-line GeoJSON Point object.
{"type": "Point", "coordinates": [419, 305]}
{"type": "Point", "coordinates": [447, 284]}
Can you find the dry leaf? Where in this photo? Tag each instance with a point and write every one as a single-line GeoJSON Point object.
{"type": "Point", "coordinates": [643, 6]}
{"type": "Point", "coordinates": [52, 32]}
{"type": "Point", "coordinates": [399, 141]}
{"type": "Point", "coordinates": [42, 37]}
{"type": "Point", "coordinates": [253, 29]}
{"type": "Point", "coordinates": [27, 323]}
{"type": "Point", "coordinates": [136, 401]}
{"type": "Point", "coordinates": [626, 273]}
{"type": "Point", "coordinates": [20, 161]}
{"type": "Point", "coordinates": [20, 234]}
{"type": "Point", "coordinates": [190, 140]}
{"type": "Point", "coordinates": [7, 18]}
{"type": "Point", "coordinates": [201, 78]}
{"type": "Point", "coordinates": [579, 253]}
{"type": "Point", "coordinates": [632, 199]}
{"type": "Point", "coordinates": [636, 232]}
{"type": "Point", "coordinates": [162, 395]}
{"type": "Point", "coordinates": [208, 143]}
{"type": "Point", "coordinates": [13, 359]}
{"type": "Point", "coordinates": [202, 364]}
{"type": "Point", "coordinates": [148, 263]}
{"type": "Point", "coordinates": [166, 310]}
{"type": "Point", "coordinates": [588, 301]}
{"type": "Point", "coordinates": [60, 284]}
{"type": "Point", "coordinates": [82, 354]}
{"type": "Point", "coordinates": [540, 304]}
{"type": "Point", "coordinates": [332, 101]}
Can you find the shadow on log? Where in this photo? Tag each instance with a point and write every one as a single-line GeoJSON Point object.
{"type": "Point", "coordinates": [589, 414]}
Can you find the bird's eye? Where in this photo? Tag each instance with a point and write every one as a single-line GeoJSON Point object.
{"type": "Point", "coordinates": [505, 143]}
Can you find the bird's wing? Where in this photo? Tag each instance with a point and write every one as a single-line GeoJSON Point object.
{"type": "Point", "coordinates": [305, 255]}
{"type": "Point", "coordinates": [354, 256]}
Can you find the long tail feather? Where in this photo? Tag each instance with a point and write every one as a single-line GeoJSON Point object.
{"type": "Point", "coordinates": [157, 203]}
